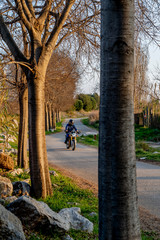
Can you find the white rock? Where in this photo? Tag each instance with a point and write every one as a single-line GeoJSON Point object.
{"type": "Point", "coordinates": [77, 221]}
{"type": "Point", "coordinates": [37, 215]}
{"type": "Point", "coordinates": [16, 171]}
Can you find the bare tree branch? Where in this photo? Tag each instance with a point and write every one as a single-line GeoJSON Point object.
{"type": "Point", "coordinates": [18, 55]}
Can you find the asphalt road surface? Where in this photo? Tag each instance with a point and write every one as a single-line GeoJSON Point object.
{"type": "Point", "coordinates": [83, 162]}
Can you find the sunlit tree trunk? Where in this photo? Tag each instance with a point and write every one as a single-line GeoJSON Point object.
{"type": "Point", "coordinates": [118, 211]}
{"type": "Point", "coordinates": [23, 128]}
{"type": "Point", "coordinates": [46, 118]}
{"type": "Point", "coordinates": [50, 116]}
{"type": "Point", "coordinates": [40, 178]}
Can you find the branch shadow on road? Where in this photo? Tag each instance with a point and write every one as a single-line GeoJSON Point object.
{"type": "Point", "coordinates": [57, 149]}
{"type": "Point", "coordinates": [149, 178]}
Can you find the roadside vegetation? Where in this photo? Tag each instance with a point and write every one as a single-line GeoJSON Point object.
{"type": "Point", "coordinates": [143, 135]}
{"type": "Point", "coordinates": [67, 194]}
{"type": "Point", "coordinates": [58, 128]}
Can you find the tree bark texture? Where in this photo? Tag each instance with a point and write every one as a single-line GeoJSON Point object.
{"type": "Point", "coordinates": [58, 116]}
{"type": "Point", "coordinates": [118, 211]}
{"type": "Point", "coordinates": [46, 118]}
{"type": "Point", "coordinates": [53, 119]}
{"type": "Point", "coordinates": [23, 128]}
{"type": "Point", "coordinates": [50, 116]}
{"type": "Point", "coordinates": [40, 178]}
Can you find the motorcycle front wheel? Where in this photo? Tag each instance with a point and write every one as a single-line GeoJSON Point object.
{"type": "Point", "coordinates": [68, 144]}
{"type": "Point", "coordinates": [73, 145]}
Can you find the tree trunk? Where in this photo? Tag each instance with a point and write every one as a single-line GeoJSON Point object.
{"type": "Point", "coordinates": [118, 211]}
{"type": "Point", "coordinates": [23, 128]}
{"type": "Point", "coordinates": [46, 118]}
{"type": "Point", "coordinates": [57, 116]}
{"type": "Point", "coordinates": [53, 119]}
{"type": "Point", "coordinates": [40, 178]}
{"type": "Point", "coordinates": [50, 116]}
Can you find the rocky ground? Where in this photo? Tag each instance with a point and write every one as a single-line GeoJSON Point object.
{"type": "Point", "coordinates": [149, 222]}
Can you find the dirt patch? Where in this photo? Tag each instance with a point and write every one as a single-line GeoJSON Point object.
{"type": "Point", "coordinates": [149, 222]}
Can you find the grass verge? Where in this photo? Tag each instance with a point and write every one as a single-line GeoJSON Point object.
{"type": "Point", "coordinates": [89, 140]}
{"type": "Point", "coordinates": [58, 129]}
{"type": "Point", "coordinates": [148, 153]}
{"type": "Point", "coordinates": [147, 134]}
{"type": "Point", "coordinates": [141, 134]}
{"type": "Point", "coordinates": [94, 125]}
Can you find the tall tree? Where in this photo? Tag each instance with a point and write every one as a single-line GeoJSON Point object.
{"type": "Point", "coordinates": [118, 211]}
{"type": "Point", "coordinates": [48, 25]}
{"type": "Point", "coordinates": [61, 78]}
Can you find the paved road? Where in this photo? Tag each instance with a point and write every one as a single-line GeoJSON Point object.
{"type": "Point", "coordinates": [84, 163]}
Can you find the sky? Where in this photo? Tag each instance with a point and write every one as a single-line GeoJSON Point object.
{"type": "Point", "coordinates": [90, 84]}
{"type": "Point", "coordinates": [154, 58]}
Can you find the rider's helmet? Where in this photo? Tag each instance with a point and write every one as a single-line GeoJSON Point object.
{"type": "Point", "coordinates": [71, 122]}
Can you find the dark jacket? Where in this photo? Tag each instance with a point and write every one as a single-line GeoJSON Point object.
{"type": "Point", "coordinates": [70, 127]}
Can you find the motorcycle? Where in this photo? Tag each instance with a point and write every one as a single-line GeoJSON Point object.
{"type": "Point", "coordinates": [71, 140]}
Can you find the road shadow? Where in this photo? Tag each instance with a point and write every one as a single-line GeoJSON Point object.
{"type": "Point", "coordinates": [58, 149]}
{"type": "Point", "coordinates": [149, 178]}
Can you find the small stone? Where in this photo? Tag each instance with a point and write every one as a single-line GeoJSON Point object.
{"type": "Point", "coordinates": [16, 172]}
{"type": "Point", "coordinates": [55, 185]}
{"type": "Point", "coordinates": [93, 214]}
{"type": "Point", "coordinates": [53, 173]}
{"type": "Point", "coordinates": [27, 170]}
{"type": "Point", "coordinates": [73, 203]}
{"type": "Point", "coordinates": [21, 188]}
{"type": "Point", "coordinates": [67, 238]}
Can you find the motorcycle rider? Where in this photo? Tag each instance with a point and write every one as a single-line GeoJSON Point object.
{"type": "Point", "coordinates": [69, 128]}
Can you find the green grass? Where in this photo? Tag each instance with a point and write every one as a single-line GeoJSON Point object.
{"type": "Point", "coordinates": [143, 150]}
{"type": "Point", "coordinates": [14, 145]}
{"type": "Point", "coordinates": [88, 140]}
{"type": "Point", "coordinates": [147, 134]}
{"type": "Point", "coordinates": [149, 235]}
{"type": "Point", "coordinates": [19, 177]}
{"type": "Point", "coordinates": [95, 124]}
{"type": "Point", "coordinates": [58, 129]}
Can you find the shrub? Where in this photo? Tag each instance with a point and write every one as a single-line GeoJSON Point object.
{"type": "Point", "coordinates": [78, 105]}
{"type": "Point", "coordinates": [94, 117]}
